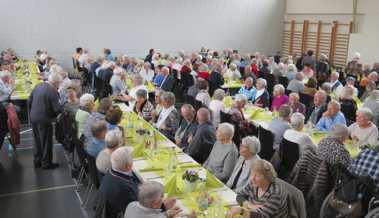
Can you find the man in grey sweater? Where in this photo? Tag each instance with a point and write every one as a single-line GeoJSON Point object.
{"type": "Point", "coordinates": [44, 107]}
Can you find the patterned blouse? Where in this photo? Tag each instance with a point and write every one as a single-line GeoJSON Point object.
{"type": "Point", "coordinates": [145, 110]}
{"type": "Point", "coordinates": [333, 151]}
{"type": "Point", "coordinates": [273, 202]}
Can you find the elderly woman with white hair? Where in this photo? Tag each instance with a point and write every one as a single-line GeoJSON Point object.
{"type": "Point", "coordinates": [353, 67]}
{"type": "Point", "coordinates": [232, 73]}
{"type": "Point", "coordinates": [364, 131]}
{"type": "Point", "coordinates": [118, 81]}
{"type": "Point", "coordinates": [248, 89]}
{"type": "Point", "coordinates": [279, 97]}
{"type": "Point", "coordinates": [86, 107]}
{"type": "Point", "coordinates": [262, 97]}
{"type": "Point", "coordinates": [168, 119]}
{"type": "Point", "coordinates": [224, 153]}
{"type": "Point", "coordinates": [296, 105]}
{"type": "Point", "coordinates": [150, 203]}
{"type": "Point", "coordinates": [113, 140]}
{"type": "Point", "coordinates": [216, 106]}
{"type": "Point", "coordinates": [332, 149]}
{"type": "Point", "coordinates": [297, 135]}
{"type": "Point", "coordinates": [249, 149]}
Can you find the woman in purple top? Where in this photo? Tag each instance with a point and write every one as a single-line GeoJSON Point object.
{"type": "Point", "coordinates": [279, 97]}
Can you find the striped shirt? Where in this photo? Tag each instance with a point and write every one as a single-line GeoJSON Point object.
{"type": "Point", "coordinates": [273, 202]}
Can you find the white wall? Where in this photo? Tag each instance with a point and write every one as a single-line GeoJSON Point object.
{"type": "Point", "coordinates": [366, 41]}
{"type": "Point", "coordinates": [132, 27]}
{"type": "Point", "coordinates": [319, 6]}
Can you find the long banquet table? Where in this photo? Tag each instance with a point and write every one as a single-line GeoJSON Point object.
{"type": "Point", "coordinates": [153, 164]}
{"type": "Point", "coordinates": [26, 78]}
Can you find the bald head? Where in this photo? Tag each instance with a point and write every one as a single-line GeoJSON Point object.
{"type": "Point", "coordinates": [203, 115]}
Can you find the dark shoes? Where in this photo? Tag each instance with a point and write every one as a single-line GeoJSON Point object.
{"type": "Point", "coordinates": [37, 165]}
{"type": "Point", "coordinates": [50, 166]}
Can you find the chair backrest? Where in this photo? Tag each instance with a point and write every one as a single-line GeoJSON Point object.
{"type": "Point", "coordinates": [271, 82]}
{"type": "Point", "coordinates": [307, 100]}
{"type": "Point", "coordinates": [93, 172]}
{"type": "Point", "coordinates": [225, 117]}
{"type": "Point", "coordinates": [289, 155]}
{"type": "Point", "coordinates": [283, 80]}
{"type": "Point", "coordinates": [266, 137]}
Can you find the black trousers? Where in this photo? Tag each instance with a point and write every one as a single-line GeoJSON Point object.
{"type": "Point", "coordinates": [43, 143]}
{"type": "Point", "coordinates": [3, 124]}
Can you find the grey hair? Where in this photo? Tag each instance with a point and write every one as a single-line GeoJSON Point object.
{"type": "Point", "coordinates": [292, 68]}
{"type": "Point", "coordinates": [138, 78]}
{"type": "Point", "coordinates": [240, 97]}
{"type": "Point", "coordinates": [141, 93]}
{"type": "Point", "coordinates": [339, 131]}
{"type": "Point", "coordinates": [54, 78]}
{"type": "Point", "coordinates": [219, 94]}
{"type": "Point", "coordinates": [226, 129]}
{"type": "Point", "coordinates": [299, 76]}
{"type": "Point", "coordinates": [56, 68]}
{"type": "Point", "coordinates": [285, 111]}
{"type": "Point", "coordinates": [374, 95]}
{"type": "Point", "coordinates": [263, 81]}
{"type": "Point", "coordinates": [149, 192]}
{"type": "Point", "coordinates": [327, 87]}
{"type": "Point", "coordinates": [168, 96]}
{"type": "Point", "coordinates": [367, 112]}
{"type": "Point", "coordinates": [279, 87]}
{"type": "Point", "coordinates": [336, 103]}
{"type": "Point", "coordinates": [98, 127]}
{"type": "Point", "coordinates": [86, 99]}
{"type": "Point", "coordinates": [121, 157]}
{"type": "Point", "coordinates": [114, 138]}
{"type": "Point", "coordinates": [252, 143]}
{"type": "Point", "coordinates": [297, 120]}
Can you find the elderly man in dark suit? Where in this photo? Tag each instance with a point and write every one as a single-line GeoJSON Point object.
{"type": "Point", "coordinates": [168, 81]}
{"type": "Point", "coordinates": [201, 144]}
{"type": "Point", "coordinates": [315, 112]}
{"type": "Point", "coordinates": [120, 186]}
{"type": "Point", "coordinates": [44, 108]}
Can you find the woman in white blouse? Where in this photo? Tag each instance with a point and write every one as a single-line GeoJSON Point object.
{"type": "Point", "coordinates": [297, 135]}
{"type": "Point", "coordinates": [216, 106]}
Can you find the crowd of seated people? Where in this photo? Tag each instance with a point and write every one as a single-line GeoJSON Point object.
{"type": "Point", "coordinates": [229, 148]}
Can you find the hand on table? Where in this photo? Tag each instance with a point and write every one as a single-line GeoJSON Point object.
{"type": "Point", "coordinates": [169, 203]}
{"type": "Point", "coordinates": [177, 141]}
{"type": "Point", "coordinates": [234, 211]}
{"type": "Point", "coordinates": [174, 212]}
{"type": "Point", "coordinates": [163, 126]}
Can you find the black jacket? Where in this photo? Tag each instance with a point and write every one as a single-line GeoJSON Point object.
{"type": "Point", "coordinates": [215, 81]}
{"type": "Point", "coordinates": [117, 190]}
{"type": "Point", "coordinates": [202, 142]}
{"type": "Point", "coordinates": [44, 104]}
{"type": "Point", "coordinates": [263, 99]}
{"type": "Point", "coordinates": [320, 112]}
{"type": "Point", "coordinates": [168, 84]}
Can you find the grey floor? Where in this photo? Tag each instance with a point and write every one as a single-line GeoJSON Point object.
{"type": "Point", "coordinates": [35, 193]}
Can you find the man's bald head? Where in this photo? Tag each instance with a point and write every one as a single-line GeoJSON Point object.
{"type": "Point", "coordinates": [203, 115]}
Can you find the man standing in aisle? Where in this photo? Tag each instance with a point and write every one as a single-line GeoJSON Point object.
{"type": "Point", "coordinates": [44, 107]}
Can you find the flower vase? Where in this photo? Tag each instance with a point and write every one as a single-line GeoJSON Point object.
{"type": "Point", "coordinates": [189, 186]}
